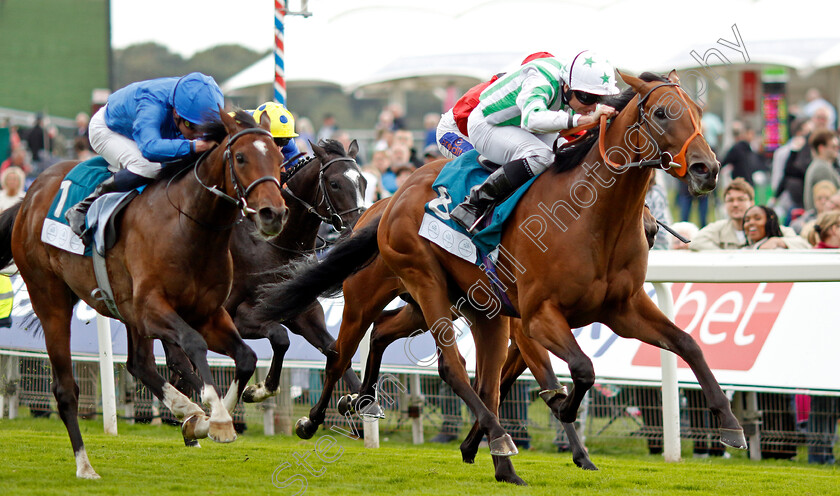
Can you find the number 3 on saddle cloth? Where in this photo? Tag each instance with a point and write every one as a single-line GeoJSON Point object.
{"type": "Point", "coordinates": [76, 186]}
{"type": "Point", "coordinates": [453, 185]}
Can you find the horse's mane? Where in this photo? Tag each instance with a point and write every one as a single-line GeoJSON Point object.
{"type": "Point", "coordinates": [572, 156]}
{"type": "Point", "coordinates": [212, 131]}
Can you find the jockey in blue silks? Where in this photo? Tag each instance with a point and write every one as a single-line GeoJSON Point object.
{"type": "Point", "coordinates": [144, 125]}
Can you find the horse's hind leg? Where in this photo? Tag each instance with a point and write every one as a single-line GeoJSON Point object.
{"type": "Point", "coordinates": [513, 367]}
{"type": "Point", "coordinates": [311, 325]}
{"type": "Point", "coordinates": [490, 350]}
{"type": "Point", "coordinates": [642, 320]}
{"type": "Point", "coordinates": [183, 375]}
{"type": "Point", "coordinates": [141, 364]}
{"type": "Point", "coordinates": [53, 305]}
{"type": "Point", "coordinates": [387, 328]}
{"type": "Point", "coordinates": [363, 302]}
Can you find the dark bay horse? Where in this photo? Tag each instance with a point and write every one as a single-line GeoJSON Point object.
{"type": "Point", "coordinates": [330, 188]}
{"type": "Point", "coordinates": [574, 254]}
{"type": "Point", "coordinates": [170, 271]}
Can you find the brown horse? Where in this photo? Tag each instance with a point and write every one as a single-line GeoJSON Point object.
{"type": "Point", "coordinates": [360, 306]}
{"type": "Point", "coordinates": [170, 271]}
{"type": "Point", "coordinates": [574, 253]}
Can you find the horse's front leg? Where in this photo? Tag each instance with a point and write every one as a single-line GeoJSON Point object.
{"type": "Point", "coordinates": [548, 327]}
{"type": "Point", "coordinates": [277, 335]}
{"type": "Point", "coordinates": [553, 393]}
{"type": "Point", "coordinates": [642, 320]}
{"type": "Point", "coordinates": [222, 337]}
{"type": "Point", "coordinates": [160, 321]}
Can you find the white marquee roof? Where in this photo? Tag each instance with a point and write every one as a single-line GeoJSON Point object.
{"type": "Point", "coordinates": [364, 42]}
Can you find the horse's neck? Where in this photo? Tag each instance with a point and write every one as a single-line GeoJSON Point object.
{"type": "Point", "coordinates": [210, 214]}
{"type": "Point", "coordinates": [301, 229]}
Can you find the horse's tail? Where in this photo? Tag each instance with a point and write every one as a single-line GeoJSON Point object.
{"type": "Point", "coordinates": [309, 279]}
{"type": "Point", "coordinates": [7, 222]}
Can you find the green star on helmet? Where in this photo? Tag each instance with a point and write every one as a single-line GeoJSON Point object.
{"type": "Point", "coordinates": [589, 61]}
{"type": "Point", "coordinates": [605, 78]}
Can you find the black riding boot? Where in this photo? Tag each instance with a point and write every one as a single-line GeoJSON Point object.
{"type": "Point", "coordinates": [502, 183]}
{"type": "Point", "coordinates": [75, 215]}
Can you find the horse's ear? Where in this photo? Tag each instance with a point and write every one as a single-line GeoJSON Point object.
{"type": "Point", "coordinates": [673, 77]}
{"type": "Point", "coordinates": [228, 120]}
{"type": "Point", "coordinates": [318, 151]}
{"type": "Point", "coordinates": [265, 121]}
{"type": "Point", "coordinates": [353, 150]}
{"type": "Point", "coordinates": [633, 81]}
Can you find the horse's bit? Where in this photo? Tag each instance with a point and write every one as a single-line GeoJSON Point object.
{"type": "Point", "coordinates": [333, 217]}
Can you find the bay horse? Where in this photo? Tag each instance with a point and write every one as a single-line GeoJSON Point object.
{"type": "Point", "coordinates": [170, 271]}
{"type": "Point", "coordinates": [574, 254]}
{"type": "Point", "coordinates": [404, 322]}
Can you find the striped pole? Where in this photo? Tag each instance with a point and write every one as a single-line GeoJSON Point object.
{"type": "Point", "coordinates": [279, 52]}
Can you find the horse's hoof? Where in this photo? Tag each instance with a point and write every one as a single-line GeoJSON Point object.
{"type": "Point", "coordinates": [345, 404]}
{"type": "Point", "coordinates": [248, 395]}
{"type": "Point", "coordinates": [503, 446]}
{"type": "Point", "coordinates": [195, 427]}
{"type": "Point", "coordinates": [305, 428]}
{"type": "Point", "coordinates": [191, 443]}
{"type": "Point", "coordinates": [372, 410]}
{"type": "Point", "coordinates": [734, 438]}
{"type": "Point", "coordinates": [585, 463]}
{"type": "Point", "coordinates": [549, 395]}
{"type": "Point", "coordinates": [467, 453]}
{"type": "Point", "coordinates": [88, 474]}
{"type": "Point", "coordinates": [512, 479]}
{"type": "Point", "coordinates": [222, 432]}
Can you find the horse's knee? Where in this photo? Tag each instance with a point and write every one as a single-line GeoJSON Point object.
{"type": "Point", "coordinates": [583, 373]}
{"type": "Point", "coordinates": [246, 360]}
{"type": "Point", "coordinates": [194, 345]}
{"type": "Point", "coordinates": [279, 340]}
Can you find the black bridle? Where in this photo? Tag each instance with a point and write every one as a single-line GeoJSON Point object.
{"type": "Point", "coordinates": [333, 216]}
{"type": "Point", "coordinates": [242, 192]}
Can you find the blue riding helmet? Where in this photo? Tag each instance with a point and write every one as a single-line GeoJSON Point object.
{"type": "Point", "coordinates": [196, 97]}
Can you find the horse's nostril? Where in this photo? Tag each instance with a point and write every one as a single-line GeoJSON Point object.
{"type": "Point", "coordinates": [699, 169]}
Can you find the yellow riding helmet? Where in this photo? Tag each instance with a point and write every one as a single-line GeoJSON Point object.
{"type": "Point", "coordinates": [282, 122]}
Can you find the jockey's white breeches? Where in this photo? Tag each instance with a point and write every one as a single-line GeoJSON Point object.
{"type": "Point", "coordinates": [503, 144]}
{"type": "Point", "coordinates": [120, 152]}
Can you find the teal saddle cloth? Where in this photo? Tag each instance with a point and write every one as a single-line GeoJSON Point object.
{"type": "Point", "coordinates": [453, 185]}
{"type": "Point", "coordinates": [80, 182]}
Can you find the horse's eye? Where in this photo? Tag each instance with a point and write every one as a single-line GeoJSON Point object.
{"type": "Point", "coordinates": [659, 113]}
{"type": "Point", "coordinates": [333, 184]}
{"type": "Point", "coordinates": [239, 158]}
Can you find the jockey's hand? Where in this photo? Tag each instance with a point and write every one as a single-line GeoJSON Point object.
{"type": "Point", "coordinates": [604, 110]}
{"type": "Point", "coordinates": [202, 145]}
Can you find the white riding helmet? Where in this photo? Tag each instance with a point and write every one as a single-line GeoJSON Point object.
{"type": "Point", "coordinates": [591, 73]}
